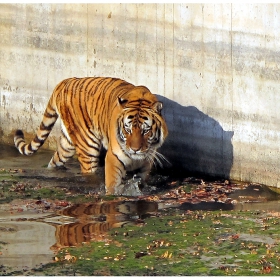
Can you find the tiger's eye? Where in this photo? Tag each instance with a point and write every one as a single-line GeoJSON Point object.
{"type": "Point", "coordinates": [146, 131]}
{"type": "Point", "coordinates": [127, 129]}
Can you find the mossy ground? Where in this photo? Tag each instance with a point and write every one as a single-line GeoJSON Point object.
{"type": "Point", "coordinates": [13, 187]}
{"type": "Point", "coordinates": [192, 243]}
{"type": "Point", "coordinates": [170, 242]}
{"type": "Point", "coordinates": [174, 243]}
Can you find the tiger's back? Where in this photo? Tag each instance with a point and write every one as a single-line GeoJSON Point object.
{"type": "Point", "coordinates": [107, 112]}
{"type": "Point", "coordinates": [84, 106]}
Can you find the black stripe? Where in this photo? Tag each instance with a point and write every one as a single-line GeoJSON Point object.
{"type": "Point", "coordinates": [46, 127]}
{"type": "Point", "coordinates": [84, 141]}
{"type": "Point", "coordinates": [66, 138]}
{"type": "Point", "coordinates": [77, 85]}
{"type": "Point", "coordinates": [82, 101]}
{"type": "Point", "coordinates": [19, 141]}
{"type": "Point", "coordinates": [30, 149]}
{"type": "Point", "coordinates": [90, 168]}
{"type": "Point", "coordinates": [63, 148]}
{"type": "Point", "coordinates": [49, 115]}
{"type": "Point", "coordinates": [98, 88]}
{"type": "Point", "coordinates": [37, 140]}
{"type": "Point", "coordinates": [92, 84]}
{"type": "Point", "coordinates": [119, 160]}
{"type": "Point", "coordinates": [107, 84]}
{"type": "Point", "coordinates": [95, 148]}
{"type": "Point", "coordinates": [90, 161]}
{"type": "Point", "coordinates": [60, 159]}
{"type": "Point", "coordinates": [86, 153]}
{"type": "Point", "coordinates": [45, 135]}
{"type": "Point", "coordinates": [120, 171]}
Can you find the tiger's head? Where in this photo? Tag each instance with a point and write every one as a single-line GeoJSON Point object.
{"type": "Point", "coordinates": [141, 128]}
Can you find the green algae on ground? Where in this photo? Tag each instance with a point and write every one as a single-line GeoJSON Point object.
{"type": "Point", "coordinates": [14, 189]}
{"type": "Point", "coordinates": [174, 243]}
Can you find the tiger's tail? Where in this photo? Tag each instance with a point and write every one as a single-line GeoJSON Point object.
{"type": "Point", "coordinates": [49, 119]}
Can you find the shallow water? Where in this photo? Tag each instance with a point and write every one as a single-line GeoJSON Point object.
{"type": "Point", "coordinates": [30, 235]}
{"type": "Point", "coordinates": [35, 170]}
{"type": "Point", "coordinates": [26, 244]}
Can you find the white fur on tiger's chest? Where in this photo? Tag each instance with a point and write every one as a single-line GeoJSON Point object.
{"type": "Point", "coordinates": [105, 143]}
{"type": "Point", "coordinates": [132, 164]}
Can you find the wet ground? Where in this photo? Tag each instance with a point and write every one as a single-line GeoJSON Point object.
{"type": "Point", "coordinates": [34, 229]}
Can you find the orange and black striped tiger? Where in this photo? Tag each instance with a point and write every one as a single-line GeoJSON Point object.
{"type": "Point", "coordinates": [98, 111]}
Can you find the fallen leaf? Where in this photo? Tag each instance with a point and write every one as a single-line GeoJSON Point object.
{"type": "Point", "coordinates": [235, 236]}
{"type": "Point", "coordinates": [70, 258]}
{"type": "Point", "coordinates": [266, 269]}
{"type": "Point", "coordinates": [166, 255]}
{"type": "Point", "coordinates": [62, 203]}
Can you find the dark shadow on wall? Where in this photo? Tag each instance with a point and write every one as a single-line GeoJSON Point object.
{"type": "Point", "coordinates": [196, 143]}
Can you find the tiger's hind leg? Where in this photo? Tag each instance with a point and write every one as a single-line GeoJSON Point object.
{"type": "Point", "coordinates": [65, 151]}
{"type": "Point", "coordinates": [89, 156]}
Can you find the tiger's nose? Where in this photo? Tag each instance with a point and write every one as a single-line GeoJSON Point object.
{"type": "Point", "coordinates": [134, 149]}
{"type": "Point", "coordinates": [136, 141]}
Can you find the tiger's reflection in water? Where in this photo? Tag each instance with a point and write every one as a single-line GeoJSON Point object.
{"type": "Point", "coordinates": [92, 221]}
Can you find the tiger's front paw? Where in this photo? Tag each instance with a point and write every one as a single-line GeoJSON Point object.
{"type": "Point", "coordinates": [130, 188]}
{"type": "Point", "coordinates": [119, 190]}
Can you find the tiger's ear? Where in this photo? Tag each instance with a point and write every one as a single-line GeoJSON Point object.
{"type": "Point", "coordinates": [122, 101]}
{"type": "Point", "coordinates": [157, 106]}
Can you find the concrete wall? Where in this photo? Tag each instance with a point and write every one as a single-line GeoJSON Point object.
{"type": "Point", "coordinates": [215, 66]}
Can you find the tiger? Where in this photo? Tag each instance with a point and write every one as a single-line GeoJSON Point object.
{"type": "Point", "coordinates": [102, 112]}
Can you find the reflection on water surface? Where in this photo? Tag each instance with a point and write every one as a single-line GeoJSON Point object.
{"type": "Point", "coordinates": [30, 239]}
{"type": "Point", "coordinates": [94, 220]}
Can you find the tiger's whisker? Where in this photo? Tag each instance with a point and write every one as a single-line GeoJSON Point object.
{"type": "Point", "coordinates": [162, 159]}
